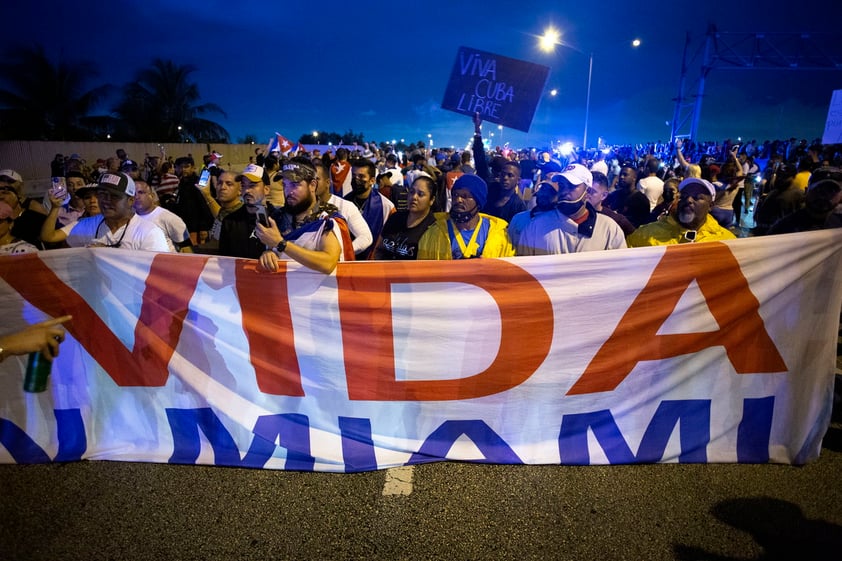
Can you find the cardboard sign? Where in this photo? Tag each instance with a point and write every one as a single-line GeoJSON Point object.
{"type": "Point", "coordinates": [502, 90]}
{"type": "Point", "coordinates": [833, 126]}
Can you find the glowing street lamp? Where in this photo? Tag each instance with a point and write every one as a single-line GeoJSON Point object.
{"type": "Point", "coordinates": [547, 43]}
{"type": "Point", "coordinates": [549, 39]}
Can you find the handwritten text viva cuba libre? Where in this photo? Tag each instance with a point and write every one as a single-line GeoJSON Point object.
{"type": "Point", "coordinates": [489, 94]}
{"type": "Point", "coordinates": [366, 319]}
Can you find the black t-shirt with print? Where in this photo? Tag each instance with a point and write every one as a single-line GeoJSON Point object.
{"type": "Point", "coordinates": [399, 242]}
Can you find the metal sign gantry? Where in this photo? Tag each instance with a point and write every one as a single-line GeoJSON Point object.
{"type": "Point", "coordinates": [751, 51]}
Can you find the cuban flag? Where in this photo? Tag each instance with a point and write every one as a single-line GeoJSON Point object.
{"type": "Point", "coordinates": [279, 144]}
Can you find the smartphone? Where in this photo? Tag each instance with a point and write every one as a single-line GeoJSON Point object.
{"type": "Point", "coordinates": [204, 179]}
{"type": "Point", "coordinates": [59, 188]}
{"type": "Point", "coordinates": [261, 216]}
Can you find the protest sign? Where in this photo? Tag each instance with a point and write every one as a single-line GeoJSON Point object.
{"type": "Point", "coordinates": [502, 90]}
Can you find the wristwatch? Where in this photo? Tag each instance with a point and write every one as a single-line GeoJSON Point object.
{"type": "Point", "coordinates": [281, 247]}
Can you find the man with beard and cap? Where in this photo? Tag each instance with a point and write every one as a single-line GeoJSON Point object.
{"type": "Point", "coordinates": [307, 231]}
{"type": "Point", "coordinates": [237, 235]}
{"type": "Point", "coordinates": [117, 226]}
{"type": "Point", "coordinates": [574, 226]}
{"type": "Point", "coordinates": [472, 233]}
{"type": "Point", "coordinates": [690, 222]}
{"type": "Point", "coordinates": [374, 207]}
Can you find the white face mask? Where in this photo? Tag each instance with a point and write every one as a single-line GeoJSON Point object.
{"type": "Point", "coordinates": [569, 208]}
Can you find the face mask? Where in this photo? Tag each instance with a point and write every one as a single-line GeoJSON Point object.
{"type": "Point", "coordinates": [359, 186]}
{"type": "Point", "coordinates": [569, 208]}
{"type": "Point", "coordinates": [462, 217]}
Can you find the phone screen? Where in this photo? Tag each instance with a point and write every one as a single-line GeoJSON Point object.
{"type": "Point", "coordinates": [59, 188]}
{"type": "Point", "coordinates": [261, 216]}
{"type": "Point", "coordinates": [204, 178]}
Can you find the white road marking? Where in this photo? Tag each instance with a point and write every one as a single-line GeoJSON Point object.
{"type": "Point", "coordinates": [398, 481]}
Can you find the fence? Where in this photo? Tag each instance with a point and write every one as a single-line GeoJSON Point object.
{"type": "Point", "coordinates": [32, 159]}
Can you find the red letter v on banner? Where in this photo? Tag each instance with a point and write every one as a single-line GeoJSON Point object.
{"type": "Point", "coordinates": [169, 287]}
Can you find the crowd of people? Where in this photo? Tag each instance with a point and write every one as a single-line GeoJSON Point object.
{"type": "Point", "coordinates": [342, 205]}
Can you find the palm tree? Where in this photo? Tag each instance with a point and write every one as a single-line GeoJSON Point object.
{"type": "Point", "coordinates": [45, 101]}
{"type": "Point", "coordinates": [162, 105]}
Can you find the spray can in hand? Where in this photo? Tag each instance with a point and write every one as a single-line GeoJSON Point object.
{"type": "Point", "coordinates": [38, 369]}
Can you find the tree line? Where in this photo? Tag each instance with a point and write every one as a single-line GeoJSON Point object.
{"type": "Point", "coordinates": [45, 100]}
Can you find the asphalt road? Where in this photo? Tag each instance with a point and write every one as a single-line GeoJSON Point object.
{"type": "Point", "coordinates": [111, 510]}
{"type": "Point", "coordinates": [132, 511]}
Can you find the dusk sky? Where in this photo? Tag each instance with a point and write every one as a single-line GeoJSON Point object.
{"type": "Point", "coordinates": [381, 68]}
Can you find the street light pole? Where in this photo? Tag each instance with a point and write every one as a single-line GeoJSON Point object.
{"type": "Point", "coordinates": [547, 43]}
{"type": "Point", "coordinates": [588, 103]}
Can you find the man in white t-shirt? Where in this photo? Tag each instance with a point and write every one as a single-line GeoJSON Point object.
{"type": "Point", "coordinates": [117, 226]}
{"type": "Point", "coordinates": [651, 185]}
{"type": "Point", "coordinates": [147, 207]}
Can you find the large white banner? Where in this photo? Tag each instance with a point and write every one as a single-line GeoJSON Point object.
{"type": "Point", "coordinates": [715, 352]}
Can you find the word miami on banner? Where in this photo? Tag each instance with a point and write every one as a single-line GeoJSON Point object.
{"type": "Point", "coordinates": [502, 90]}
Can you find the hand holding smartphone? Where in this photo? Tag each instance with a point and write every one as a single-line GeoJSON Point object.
{"type": "Point", "coordinates": [58, 190]}
{"type": "Point", "coordinates": [204, 179]}
{"type": "Point", "coordinates": [261, 217]}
